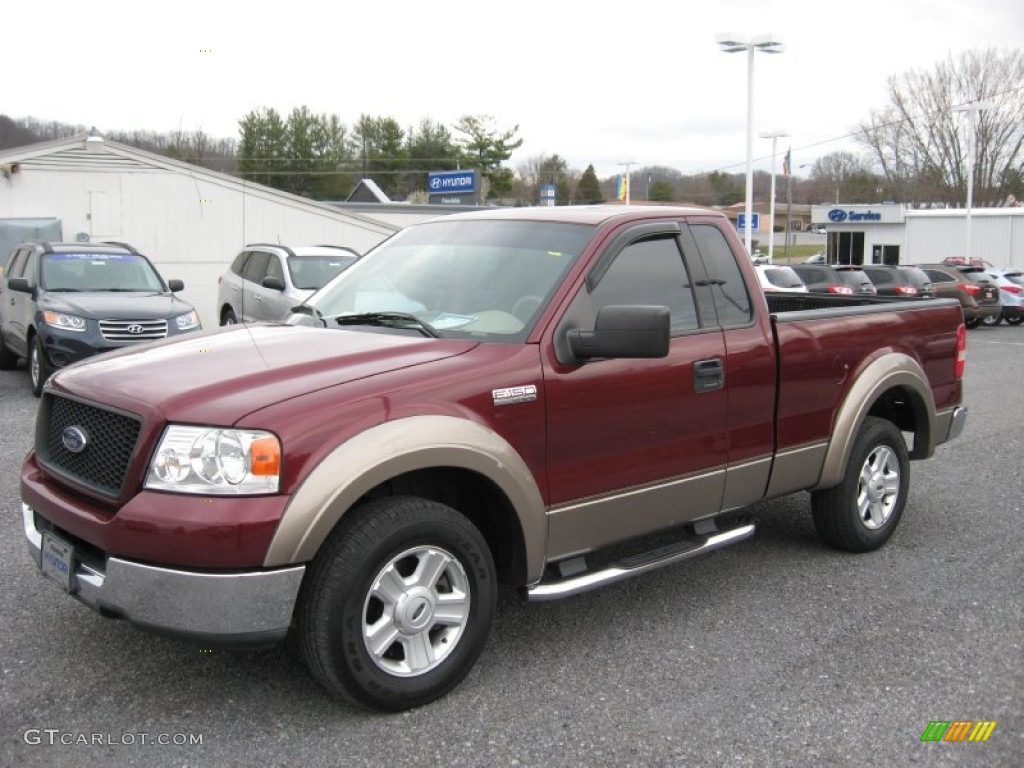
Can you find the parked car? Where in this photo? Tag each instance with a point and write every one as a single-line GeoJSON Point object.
{"type": "Point", "coordinates": [817, 258]}
{"type": "Point", "coordinates": [63, 302]}
{"type": "Point", "coordinates": [902, 281]}
{"type": "Point", "coordinates": [775, 277]}
{"type": "Point", "coordinates": [823, 278]}
{"type": "Point", "coordinates": [977, 292]}
{"type": "Point", "coordinates": [1011, 293]}
{"type": "Point", "coordinates": [819, 229]}
{"type": "Point", "coordinates": [265, 280]}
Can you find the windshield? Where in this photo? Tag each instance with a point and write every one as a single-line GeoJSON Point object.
{"type": "Point", "coordinates": [99, 272]}
{"type": "Point", "coordinates": [459, 278]}
{"type": "Point", "coordinates": [783, 277]}
{"type": "Point", "coordinates": [312, 272]}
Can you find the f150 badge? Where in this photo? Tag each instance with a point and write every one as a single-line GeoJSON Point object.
{"type": "Point", "coordinates": [509, 395]}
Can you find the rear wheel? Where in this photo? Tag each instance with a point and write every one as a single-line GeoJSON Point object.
{"type": "Point", "coordinates": [861, 513]}
{"type": "Point", "coordinates": [991, 320]}
{"type": "Point", "coordinates": [398, 604]}
{"type": "Point", "coordinates": [38, 367]}
{"type": "Point", "coordinates": [972, 323]}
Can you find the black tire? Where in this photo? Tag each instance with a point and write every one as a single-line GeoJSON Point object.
{"type": "Point", "coordinates": [861, 513]}
{"type": "Point", "coordinates": [227, 317]}
{"type": "Point", "coordinates": [972, 323]}
{"type": "Point", "coordinates": [38, 366]}
{"type": "Point", "coordinates": [418, 657]}
{"type": "Point", "coordinates": [7, 358]}
{"type": "Point", "coordinates": [991, 321]}
{"type": "Point", "coordinates": [1010, 320]}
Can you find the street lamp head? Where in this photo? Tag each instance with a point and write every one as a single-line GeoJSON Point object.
{"type": "Point", "coordinates": [773, 134]}
{"type": "Point", "coordinates": [731, 43]}
{"type": "Point", "coordinates": [768, 43]}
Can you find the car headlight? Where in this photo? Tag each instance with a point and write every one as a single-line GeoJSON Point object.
{"type": "Point", "coordinates": [188, 321]}
{"type": "Point", "coordinates": [215, 460]}
{"type": "Point", "coordinates": [64, 322]}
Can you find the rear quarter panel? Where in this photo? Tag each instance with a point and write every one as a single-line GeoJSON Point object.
{"type": "Point", "coordinates": [821, 355]}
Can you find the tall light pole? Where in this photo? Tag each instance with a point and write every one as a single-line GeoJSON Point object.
{"type": "Point", "coordinates": [969, 110]}
{"type": "Point", "coordinates": [766, 43]}
{"type": "Point", "coordinates": [774, 136]}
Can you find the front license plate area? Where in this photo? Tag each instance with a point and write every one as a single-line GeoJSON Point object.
{"type": "Point", "coordinates": [58, 561]}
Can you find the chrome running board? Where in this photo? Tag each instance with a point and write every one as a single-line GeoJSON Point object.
{"type": "Point", "coordinates": [635, 565]}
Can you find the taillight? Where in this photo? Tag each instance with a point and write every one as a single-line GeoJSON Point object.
{"type": "Point", "coordinates": [906, 290]}
{"type": "Point", "coordinates": [972, 289]}
{"type": "Point", "coordinates": [840, 289]}
{"type": "Point", "coordinates": [1011, 289]}
{"type": "Point", "coordinates": [961, 352]}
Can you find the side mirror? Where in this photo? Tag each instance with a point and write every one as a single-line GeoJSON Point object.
{"type": "Point", "coordinates": [175, 285]}
{"type": "Point", "coordinates": [19, 284]}
{"type": "Point", "coordinates": [273, 283]}
{"type": "Point", "coordinates": [624, 331]}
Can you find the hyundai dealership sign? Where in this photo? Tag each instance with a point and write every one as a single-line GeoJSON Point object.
{"type": "Point", "coordinates": [452, 187]}
{"type": "Point", "coordinates": [888, 213]}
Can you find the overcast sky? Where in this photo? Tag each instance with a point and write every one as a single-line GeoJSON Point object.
{"type": "Point", "coordinates": [594, 82]}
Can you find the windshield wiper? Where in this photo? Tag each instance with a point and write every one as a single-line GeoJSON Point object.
{"type": "Point", "coordinates": [389, 320]}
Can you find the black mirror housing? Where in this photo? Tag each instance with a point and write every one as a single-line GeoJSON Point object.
{"type": "Point", "coordinates": [624, 331]}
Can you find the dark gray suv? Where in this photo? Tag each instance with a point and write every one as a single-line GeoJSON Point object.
{"type": "Point", "coordinates": [63, 302]}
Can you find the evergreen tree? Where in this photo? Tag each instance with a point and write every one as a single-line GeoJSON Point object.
{"type": "Point", "coordinates": [588, 191]}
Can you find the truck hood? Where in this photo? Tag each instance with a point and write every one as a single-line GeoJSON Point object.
{"type": "Point", "coordinates": [122, 306]}
{"type": "Point", "coordinates": [219, 376]}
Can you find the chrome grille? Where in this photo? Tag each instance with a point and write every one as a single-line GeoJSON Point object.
{"type": "Point", "coordinates": [127, 331]}
{"type": "Point", "coordinates": [110, 441]}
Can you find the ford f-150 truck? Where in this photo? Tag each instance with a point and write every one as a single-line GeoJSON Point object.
{"type": "Point", "coordinates": [534, 397]}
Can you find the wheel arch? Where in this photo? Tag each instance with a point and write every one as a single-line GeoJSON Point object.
{"type": "Point", "coordinates": [451, 460]}
{"type": "Point", "coordinates": [893, 387]}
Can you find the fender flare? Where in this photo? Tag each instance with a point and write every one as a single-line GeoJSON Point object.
{"type": "Point", "coordinates": [394, 448]}
{"type": "Point", "coordinates": [882, 374]}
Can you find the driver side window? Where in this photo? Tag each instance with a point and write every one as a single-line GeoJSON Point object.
{"type": "Point", "coordinates": [650, 272]}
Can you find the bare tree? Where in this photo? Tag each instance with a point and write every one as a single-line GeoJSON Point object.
{"type": "Point", "coordinates": [921, 143]}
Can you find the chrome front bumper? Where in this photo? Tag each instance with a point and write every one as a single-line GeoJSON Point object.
{"type": "Point", "coordinates": [250, 608]}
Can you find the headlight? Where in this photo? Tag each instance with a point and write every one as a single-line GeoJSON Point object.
{"type": "Point", "coordinates": [64, 322]}
{"type": "Point", "coordinates": [211, 460]}
{"type": "Point", "coordinates": [187, 322]}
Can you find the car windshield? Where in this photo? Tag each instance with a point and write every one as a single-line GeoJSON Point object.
{"type": "Point", "coordinates": [783, 277]}
{"type": "Point", "coordinates": [99, 272]}
{"type": "Point", "coordinates": [458, 278]}
{"type": "Point", "coordinates": [312, 272]}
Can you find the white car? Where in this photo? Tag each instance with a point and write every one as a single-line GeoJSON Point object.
{"type": "Point", "coordinates": [819, 229]}
{"type": "Point", "coordinates": [1011, 294]}
{"type": "Point", "coordinates": [266, 280]}
{"type": "Point", "coordinates": [778, 278]}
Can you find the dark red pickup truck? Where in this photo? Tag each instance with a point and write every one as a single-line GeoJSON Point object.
{"type": "Point", "coordinates": [512, 396]}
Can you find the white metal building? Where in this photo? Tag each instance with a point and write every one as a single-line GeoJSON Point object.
{"type": "Point", "coordinates": [892, 234]}
{"type": "Point", "coordinates": [190, 221]}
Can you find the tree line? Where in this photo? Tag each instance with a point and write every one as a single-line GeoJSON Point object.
{"type": "Point", "coordinates": [915, 150]}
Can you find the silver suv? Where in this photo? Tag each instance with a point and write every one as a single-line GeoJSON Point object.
{"type": "Point", "coordinates": [265, 280]}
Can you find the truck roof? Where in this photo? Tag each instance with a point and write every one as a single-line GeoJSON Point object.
{"type": "Point", "coordinates": [584, 214]}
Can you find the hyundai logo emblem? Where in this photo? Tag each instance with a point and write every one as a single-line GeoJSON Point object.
{"type": "Point", "coordinates": [135, 329]}
{"type": "Point", "coordinates": [837, 215]}
{"type": "Point", "coordinates": [74, 439]}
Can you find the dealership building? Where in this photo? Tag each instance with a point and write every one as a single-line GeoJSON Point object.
{"type": "Point", "coordinates": [893, 234]}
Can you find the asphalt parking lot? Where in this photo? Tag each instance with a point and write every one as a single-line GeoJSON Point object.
{"type": "Point", "coordinates": [775, 652]}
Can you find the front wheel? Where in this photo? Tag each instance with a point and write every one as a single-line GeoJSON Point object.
{"type": "Point", "coordinates": [972, 323]}
{"type": "Point", "coordinates": [38, 367]}
{"type": "Point", "coordinates": [861, 513]}
{"type": "Point", "coordinates": [397, 605]}
{"type": "Point", "coordinates": [1014, 319]}
{"type": "Point", "coordinates": [227, 317]}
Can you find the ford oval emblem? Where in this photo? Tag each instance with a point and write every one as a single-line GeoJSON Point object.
{"type": "Point", "coordinates": [837, 215]}
{"type": "Point", "coordinates": [74, 439]}
{"type": "Point", "coordinates": [135, 329]}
